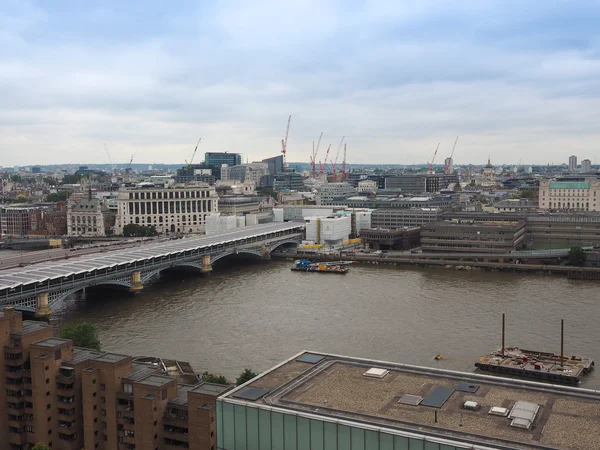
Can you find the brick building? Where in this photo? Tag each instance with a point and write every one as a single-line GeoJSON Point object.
{"type": "Point", "coordinates": [72, 398]}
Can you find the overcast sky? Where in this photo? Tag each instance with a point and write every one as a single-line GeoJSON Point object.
{"type": "Point", "coordinates": [519, 80]}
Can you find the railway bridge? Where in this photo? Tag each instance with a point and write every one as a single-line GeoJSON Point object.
{"type": "Point", "coordinates": [37, 287]}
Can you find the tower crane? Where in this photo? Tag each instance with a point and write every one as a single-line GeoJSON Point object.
{"type": "Point", "coordinates": [284, 144]}
{"type": "Point", "coordinates": [344, 174]}
{"type": "Point", "coordinates": [449, 161]}
{"type": "Point", "coordinates": [114, 168]}
{"type": "Point", "coordinates": [337, 155]}
{"type": "Point", "coordinates": [430, 168]}
{"type": "Point", "coordinates": [326, 155]}
{"type": "Point", "coordinates": [313, 159]}
{"type": "Point", "coordinates": [194, 154]}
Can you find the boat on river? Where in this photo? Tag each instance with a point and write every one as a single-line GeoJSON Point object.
{"type": "Point", "coordinates": [337, 267]}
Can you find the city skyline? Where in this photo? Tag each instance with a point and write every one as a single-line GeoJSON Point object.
{"type": "Point", "coordinates": [515, 81]}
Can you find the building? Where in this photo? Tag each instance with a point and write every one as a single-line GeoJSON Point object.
{"type": "Point", "coordinates": [329, 192]}
{"type": "Point", "coordinates": [218, 159]}
{"type": "Point", "coordinates": [274, 164]}
{"type": "Point", "coordinates": [49, 221]}
{"type": "Point", "coordinates": [71, 398]}
{"type": "Point", "coordinates": [397, 239]}
{"type": "Point", "coordinates": [395, 218]}
{"type": "Point", "coordinates": [473, 237]}
{"type": "Point", "coordinates": [586, 166]}
{"type": "Point", "coordinates": [366, 186]}
{"type": "Point", "coordinates": [331, 231]}
{"type": "Point", "coordinates": [382, 201]}
{"type": "Point", "coordinates": [515, 205]}
{"type": "Point", "coordinates": [448, 166]}
{"type": "Point", "coordinates": [570, 195]}
{"type": "Point", "coordinates": [572, 163]}
{"type": "Point", "coordinates": [288, 181]}
{"type": "Point", "coordinates": [488, 172]}
{"type": "Point", "coordinates": [176, 209]}
{"type": "Point", "coordinates": [322, 401]}
{"type": "Point", "coordinates": [86, 217]}
{"type": "Point", "coordinates": [15, 220]}
{"type": "Point", "coordinates": [255, 172]}
{"type": "Point", "coordinates": [419, 183]}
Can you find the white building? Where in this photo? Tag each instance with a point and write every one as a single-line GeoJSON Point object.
{"type": "Point", "coordinates": [586, 166]}
{"type": "Point", "coordinates": [85, 218]}
{"type": "Point", "coordinates": [331, 231]}
{"type": "Point", "coordinates": [251, 172]}
{"type": "Point", "coordinates": [366, 186]}
{"type": "Point", "coordinates": [331, 191]}
{"type": "Point", "coordinates": [570, 195]}
{"type": "Point", "coordinates": [176, 209]}
{"type": "Point", "coordinates": [572, 163]}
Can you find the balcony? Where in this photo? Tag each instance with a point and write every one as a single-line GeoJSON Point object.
{"type": "Point", "coordinates": [67, 428]}
{"type": "Point", "coordinates": [175, 435]}
{"type": "Point", "coordinates": [64, 392]}
{"type": "Point", "coordinates": [15, 362]}
{"type": "Point", "coordinates": [17, 349]}
{"type": "Point", "coordinates": [67, 415]}
{"type": "Point", "coordinates": [65, 400]}
{"type": "Point", "coordinates": [61, 378]}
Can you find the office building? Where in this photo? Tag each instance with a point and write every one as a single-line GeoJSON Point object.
{"type": "Point", "coordinates": [323, 401]}
{"type": "Point", "coordinates": [448, 166]}
{"type": "Point", "coordinates": [420, 183]}
{"type": "Point", "coordinates": [573, 163]}
{"type": "Point", "coordinates": [366, 186]}
{"type": "Point", "coordinates": [86, 217]}
{"type": "Point", "coordinates": [395, 218]}
{"type": "Point", "coordinates": [570, 195]}
{"type": "Point", "coordinates": [274, 164]}
{"type": "Point", "coordinates": [71, 398]}
{"type": "Point", "coordinates": [586, 166]}
{"type": "Point", "coordinates": [329, 192]}
{"type": "Point", "coordinates": [397, 239]}
{"type": "Point", "coordinates": [331, 231]}
{"type": "Point", "coordinates": [177, 209]}
{"type": "Point", "coordinates": [253, 171]}
{"type": "Point", "coordinates": [218, 159]}
{"type": "Point", "coordinates": [288, 181]}
{"type": "Point", "coordinates": [473, 237]}
{"type": "Point", "coordinates": [382, 201]}
{"type": "Point", "coordinates": [15, 220]}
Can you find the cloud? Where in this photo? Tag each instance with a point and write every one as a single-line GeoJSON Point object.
{"type": "Point", "coordinates": [517, 80]}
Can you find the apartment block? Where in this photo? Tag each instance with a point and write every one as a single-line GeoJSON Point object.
{"type": "Point", "coordinates": [71, 398]}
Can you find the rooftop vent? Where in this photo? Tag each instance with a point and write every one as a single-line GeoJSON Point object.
{"type": "Point", "coordinates": [374, 372]}
{"type": "Point", "coordinates": [498, 411]}
{"type": "Point", "coordinates": [408, 399]}
{"type": "Point", "coordinates": [523, 414]}
{"type": "Point", "coordinates": [473, 406]}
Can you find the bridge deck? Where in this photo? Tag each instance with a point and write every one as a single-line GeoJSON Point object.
{"type": "Point", "coordinates": [40, 272]}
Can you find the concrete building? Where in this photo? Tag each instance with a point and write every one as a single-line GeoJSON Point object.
{"type": "Point", "coordinates": [71, 398]}
{"type": "Point", "coordinates": [288, 181]}
{"type": "Point", "coordinates": [86, 218]}
{"type": "Point", "coordinates": [255, 172]}
{"type": "Point", "coordinates": [177, 209]}
{"type": "Point", "coordinates": [15, 220]}
{"type": "Point", "coordinates": [380, 201]}
{"type": "Point", "coordinates": [334, 191]}
{"type": "Point", "coordinates": [366, 186]}
{"type": "Point", "coordinates": [420, 183]}
{"type": "Point", "coordinates": [515, 205]}
{"type": "Point", "coordinates": [394, 218]}
{"type": "Point", "coordinates": [586, 166]}
{"type": "Point", "coordinates": [217, 159]}
{"type": "Point", "coordinates": [572, 163]}
{"type": "Point", "coordinates": [473, 237]}
{"type": "Point", "coordinates": [321, 401]}
{"type": "Point", "coordinates": [397, 239]}
{"type": "Point", "coordinates": [570, 195]}
{"type": "Point", "coordinates": [448, 166]}
{"type": "Point", "coordinates": [274, 164]}
{"type": "Point", "coordinates": [331, 231]}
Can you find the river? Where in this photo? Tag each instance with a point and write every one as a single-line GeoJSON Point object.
{"type": "Point", "coordinates": [257, 314]}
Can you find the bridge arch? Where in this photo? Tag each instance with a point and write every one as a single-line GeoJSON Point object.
{"type": "Point", "coordinates": [253, 252]}
{"type": "Point", "coordinates": [282, 243]}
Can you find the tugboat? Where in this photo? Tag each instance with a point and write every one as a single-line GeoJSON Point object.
{"type": "Point", "coordinates": [304, 265]}
{"type": "Point", "coordinates": [543, 366]}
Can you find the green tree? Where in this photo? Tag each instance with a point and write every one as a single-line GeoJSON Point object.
{"type": "Point", "coordinates": [576, 256]}
{"type": "Point", "coordinates": [16, 178]}
{"type": "Point", "coordinates": [58, 196]}
{"type": "Point", "coordinates": [217, 379]}
{"type": "Point", "coordinates": [133, 229]}
{"type": "Point", "coordinates": [40, 447]}
{"type": "Point", "coordinates": [83, 334]}
{"type": "Point", "coordinates": [267, 192]}
{"type": "Point", "coordinates": [246, 375]}
{"type": "Point", "coordinates": [71, 179]}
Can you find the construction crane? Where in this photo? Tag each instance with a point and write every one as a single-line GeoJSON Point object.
{"type": "Point", "coordinates": [333, 169]}
{"type": "Point", "coordinates": [193, 154]}
{"type": "Point", "coordinates": [344, 174]}
{"type": "Point", "coordinates": [326, 155]}
{"type": "Point", "coordinates": [284, 144]}
{"type": "Point", "coordinates": [449, 160]}
{"type": "Point", "coordinates": [313, 159]}
{"type": "Point", "coordinates": [114, 168]}
{"type": "Point", "coordinates": [337, 155]}
{"type": "Point", "coordinates": [430, 168]}
{"type": "Point", "coordinates": [131, 161]}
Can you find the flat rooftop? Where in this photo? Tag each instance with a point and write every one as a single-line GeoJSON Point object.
{"type": "Point", "coordinates": [111, 357]}
{"type": "Point", "coordinates": [210, 389]}
{"type": "Point", "coordinates": [31, 326]}
{"type": "Point", "coordinates": [336, 387]}
{"type": "Point", "coordinates": [155, 380]}
{"type": "Point", "coordinates": [52, 342]}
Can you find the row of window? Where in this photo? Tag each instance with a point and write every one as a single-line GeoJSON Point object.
{"type": "Point", "coordinates": [82, 219]}
{"type": "Point", "coordinates": [167, 195]}
{"type": "Point", "coordinates": [169, 207]}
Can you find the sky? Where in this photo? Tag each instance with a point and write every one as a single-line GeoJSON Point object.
{"type": "Point", "coordinates": [516, 80]}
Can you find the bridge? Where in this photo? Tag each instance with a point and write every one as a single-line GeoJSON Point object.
{"type": "Point", "coordinates": [37, 287]}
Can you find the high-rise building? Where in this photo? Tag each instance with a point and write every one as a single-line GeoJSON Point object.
{"type": "Point", "coordinates": [275, 164]}
{"type": "Point", "coordinates": [572, 163]}
{"type": "Point", "coordinates": [586, 166]}
{"type": "Point", "coordinates": [71, 398]}
{"type": "Point", "coordinates": [218, 159]}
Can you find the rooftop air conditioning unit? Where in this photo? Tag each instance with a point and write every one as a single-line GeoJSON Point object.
{"type": "Point", "coordinates": [473, 406]}
{"type": "Point", "coordinates": [374, 372]}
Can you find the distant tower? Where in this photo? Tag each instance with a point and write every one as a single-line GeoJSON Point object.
{"type": "Point", "coordinates": [488, 171]}
{"type": "Point", "coordinates": [572, 163]}
{"type": "Point", "coordinates": [448, 166]}
{"type": "Point", "coordinates": [586, 166]}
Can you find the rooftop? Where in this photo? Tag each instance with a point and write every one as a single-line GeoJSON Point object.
{"type": "Point", "coordinates": [83, 354]}
{"type": "Point", "coordinates": [31, 326]}
{"type": "Point", "coordinates": [156, 380]}
{"type": "Point", "coordinates": [52, 342]}
{"type": "Point", "coordinates": [210, 389]}
{"type": "Point", "coordinates": [111, 357]}
{"type": "Point", "coordinates": [407, 399]}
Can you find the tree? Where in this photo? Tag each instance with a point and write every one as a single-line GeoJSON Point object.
{"type": "Point", "coordinates": [246, 375]}
{"type": "Point", "coordinates": [210, 378]}
{"type": "Point", "coordinates": [133, 229]}
{"type": "Point", "coordinates": [16, 178]}
{"type": "Point", "coordinates": [576, 256]}
{"type": "Point", "coordinates": [83, 334]}
{"type": "Point", "coordinates": [58, 196]}
{"type": "Point", "coordinates": [71, 179]}
{"type": "Point", "coordinates": [39, 446]}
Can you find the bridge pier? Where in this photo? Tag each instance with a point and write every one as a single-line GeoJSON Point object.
{"type": "Point", "coordinates": [206, 265]}
{"type": "Point", "coordinates": [136, 282]}
{"type": "Point", "coordinates": [43, 308]}
{"type": "Point", "coordinates": [265, 252]}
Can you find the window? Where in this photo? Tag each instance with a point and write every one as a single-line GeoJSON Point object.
{"type": "Point", "coordinates": [94, 394]}
{"type": "Point", "coordinates": [102, 387]}
{"type": "Point", "coordinates": [48, 406]}
{"type": "Point", "coordinates": [47, 368]}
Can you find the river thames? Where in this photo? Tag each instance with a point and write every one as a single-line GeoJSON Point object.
{"type": "Point", "coordinates": [257, 314]}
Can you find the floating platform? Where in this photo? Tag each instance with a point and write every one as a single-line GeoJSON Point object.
{"type": "Point", "coordinates": [322, 269]}
{"type": "Point", "coordinates": [537, 365]}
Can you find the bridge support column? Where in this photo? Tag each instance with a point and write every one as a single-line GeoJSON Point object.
{"type": "Point", "coordinates": [43, 308]}
{"type": "Point", "coordinates": [265, 251]}
{"type": "Point", "coordinates": [206, 265]}
{"type": "Point", "coordinates": [136, 282]}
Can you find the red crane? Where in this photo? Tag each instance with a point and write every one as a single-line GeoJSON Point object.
{"type": "Point", "coordinates": [326, 155]}
{"type": "Point", "coordinates": [313, 159]}
{"type": "Point", "coordinates": [333, 169]}
{"type": "Point", "coordinates": [284, 144]}
{"type": "Point", "coordinates": [430, 168]}
{"type": "Point", "coordinates": [344, 174]}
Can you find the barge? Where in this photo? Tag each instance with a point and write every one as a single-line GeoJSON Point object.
{"type": "Point", "coordinates": [304, 265]}
{"type": "Point", "coordinates": [537, 365]}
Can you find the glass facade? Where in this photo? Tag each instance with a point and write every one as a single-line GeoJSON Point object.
{"type": "Point", "coordinates": [241, 427]}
